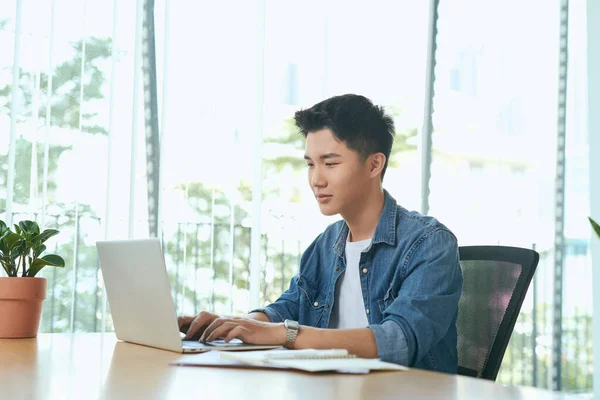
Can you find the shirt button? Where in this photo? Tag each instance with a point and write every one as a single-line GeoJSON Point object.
{"type": "Point", "coordinates": [368, 311]}
{"type": "Point", "coordinates": [316, 304]}
{"type": "Point", "coordinates": [327, 305]}
{"type": "Point", "coordinates": [337, 268]}
{"type": "Point", "coordinates": [364, 270]}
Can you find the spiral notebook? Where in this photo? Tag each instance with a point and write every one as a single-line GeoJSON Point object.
{"type": "Point", "coordinates": [337, 360]}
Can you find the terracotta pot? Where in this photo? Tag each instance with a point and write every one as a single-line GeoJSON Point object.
{"type": "Point", "coordinates": [21, 306]}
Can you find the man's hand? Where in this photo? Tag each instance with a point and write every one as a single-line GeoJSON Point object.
{"type": "Point", "coordinates": [194, 326]}
{"type": "Point", "coordinates": [246, 329]}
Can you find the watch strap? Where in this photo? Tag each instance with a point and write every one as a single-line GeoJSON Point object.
{"type": "Point", "coordinates": [292, 328]}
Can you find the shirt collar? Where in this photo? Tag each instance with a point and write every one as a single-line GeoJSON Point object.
{"type": "Point", "coordinates": [385, 232]}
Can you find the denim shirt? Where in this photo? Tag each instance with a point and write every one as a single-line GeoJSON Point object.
{"type": "Point", "coordinates": [411, 282]}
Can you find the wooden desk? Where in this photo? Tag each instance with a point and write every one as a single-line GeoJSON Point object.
{"type": "Point", "coordinates": [90, 366]}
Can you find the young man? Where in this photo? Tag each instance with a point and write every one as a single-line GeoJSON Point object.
{"type": "Point", "coordinates": [383, 282]}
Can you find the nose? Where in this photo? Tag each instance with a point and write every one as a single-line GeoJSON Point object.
{"type": "Point", "coordinates": [317, 178]}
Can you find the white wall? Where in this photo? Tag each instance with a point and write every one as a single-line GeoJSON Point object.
{"type": "Point", "coordinates": [593, 54]}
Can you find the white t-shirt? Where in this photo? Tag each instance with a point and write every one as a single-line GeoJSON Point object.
{"type": "Point", "coordinates": [349, 307]}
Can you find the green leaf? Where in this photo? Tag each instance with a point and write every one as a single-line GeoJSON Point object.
{"type": "Point", "coordinates": [3, 228]}
{"type": "Point", "coordinates": [12, 268]}
{"type": "Point", "coordinates": [39, 263]}
{"type": "Point", "coordinates": [9, 242]}
{"type": "Point", "coordinates": [3, 248]}
{"type": "Point", "coordinates": [595, 226]}
{"type": "Point", "coordinates": [18, 249]}
{"type": "Point", "coordinates": [47, 234]}
{"type": "Point", "coordinates": [31, 227]}
{"type": "Point", "coordinates": [9, 266]}
{"type": "Point", "coordinates": [39, 250]}
{"type": "Point", "coordinates": [54, 260]}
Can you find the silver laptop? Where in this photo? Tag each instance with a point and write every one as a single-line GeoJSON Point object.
{"type": "Point", "coordinates": [139, 296]}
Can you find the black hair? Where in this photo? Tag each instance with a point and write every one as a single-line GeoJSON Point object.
{"type": "Point", "coordinates": [353, 119]}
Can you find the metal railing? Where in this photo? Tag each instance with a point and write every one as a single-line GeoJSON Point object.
{"type": "Point", "coordinates": [528, 358]}
{"type": "Point", "coordinates": [196, 281]}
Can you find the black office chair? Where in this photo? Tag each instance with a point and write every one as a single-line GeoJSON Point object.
{"type": "Point", "coordinates": [496, 279]}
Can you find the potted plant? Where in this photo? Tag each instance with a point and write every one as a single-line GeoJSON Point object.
{"type": "Point", "coordinates": [22, 293]}
{"type": "Point", "coordinates": [595, 226]}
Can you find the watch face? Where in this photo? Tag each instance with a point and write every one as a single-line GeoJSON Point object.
{"type": "Point", "coordinates": [289, 324]}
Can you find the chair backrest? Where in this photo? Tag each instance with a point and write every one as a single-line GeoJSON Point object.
{"type": "Point", "coordinates": [496, 279]}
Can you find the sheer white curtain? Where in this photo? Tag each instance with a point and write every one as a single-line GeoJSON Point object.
{"type": "Point", "coordinates": [236, 211]}
{"type": "Point", "coordinates": [232, 233]}
{"type": "Point", "coordinates": [494, 164]}
{"type": "Point", "coordinates": [66, 107]}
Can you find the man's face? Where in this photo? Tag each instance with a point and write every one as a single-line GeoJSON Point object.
{"type": "Point", "coordinates": [336, 174]}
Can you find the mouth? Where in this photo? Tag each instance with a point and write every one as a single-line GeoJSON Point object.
{"type": "Point", "coordinates": [324, 198]}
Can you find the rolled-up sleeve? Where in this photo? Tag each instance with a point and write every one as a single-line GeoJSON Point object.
{"type": "Point", "coordinates": [391, 342]}
{"type": "Point", "coordinates": [426, 303]}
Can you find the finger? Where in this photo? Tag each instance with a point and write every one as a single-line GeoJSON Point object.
{"type": "Point", "coordinates": [184, 323]}
{"type": "Point", "coordinates": [237, 332]}
{"type": "Point", "coordinates": [221, 331]}
{"type": "Point", "coordinates": [197, 326]}
{"type": "Point", "coordinates": [214, 325]}
{"type": "Point", "coordinates": [193, 328]}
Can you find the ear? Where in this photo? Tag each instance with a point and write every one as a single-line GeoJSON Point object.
{"type": "Point", "coordinates": [376, 162]}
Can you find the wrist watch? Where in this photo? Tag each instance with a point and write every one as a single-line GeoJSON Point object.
{"type": "Point", "coordinates": [292, 328]}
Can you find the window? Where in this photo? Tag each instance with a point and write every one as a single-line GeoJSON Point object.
{"type": "Point", "coordinates": [228, 86]}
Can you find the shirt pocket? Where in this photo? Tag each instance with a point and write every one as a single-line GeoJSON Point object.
{"type": "Point", "coordinates": [311, 304]}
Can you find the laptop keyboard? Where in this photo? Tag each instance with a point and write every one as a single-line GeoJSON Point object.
{"type": "Point", "coordinates": [194, 344]}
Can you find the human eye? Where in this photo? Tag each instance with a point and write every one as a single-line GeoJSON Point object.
{"type": "Point", "coordinates": [330, 164]}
